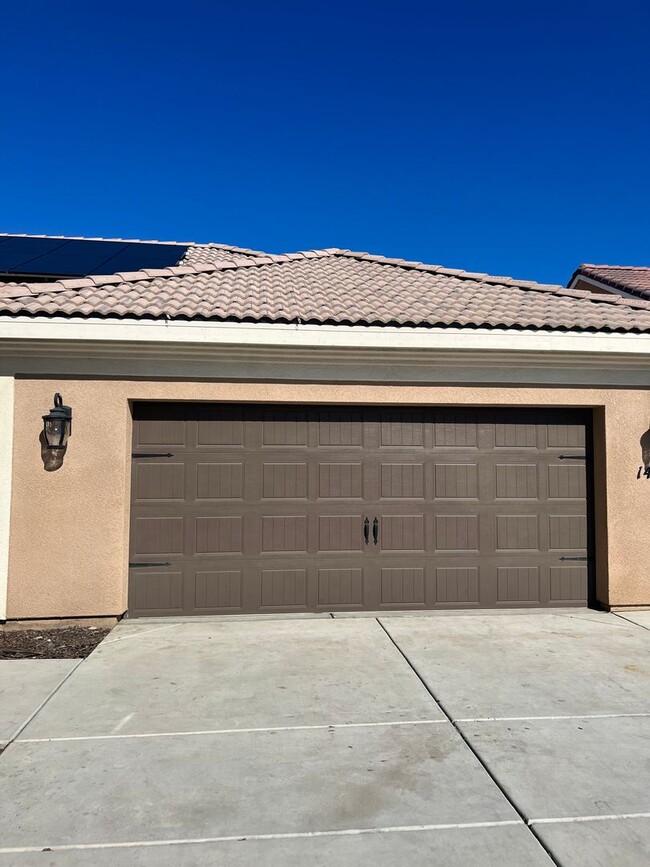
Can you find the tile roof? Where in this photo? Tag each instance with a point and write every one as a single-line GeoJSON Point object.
{"type": "Point", "coordinates": [627, 278]}
{"type": "Point", "coordinates": [206, 254]}
{"type": "Point", "coordinates": [329, 287]}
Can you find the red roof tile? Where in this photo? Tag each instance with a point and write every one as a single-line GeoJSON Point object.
{"type": "Point", "coordinates": [627, 278]}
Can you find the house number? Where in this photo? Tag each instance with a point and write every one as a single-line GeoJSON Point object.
{"type": "Point", "coordinates": [643, 473]}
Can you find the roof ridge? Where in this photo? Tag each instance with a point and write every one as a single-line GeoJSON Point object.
{"type": "Point", "coordinates": [549, 288]}
{"type": "Point", "coordinates": [243, 261]}
{"type": "Point", "coordinates": [450, 272]}
{"type": "Point", "coordinates": [616, 267]}
{"type": "Point", "coordinates": [17, 290]}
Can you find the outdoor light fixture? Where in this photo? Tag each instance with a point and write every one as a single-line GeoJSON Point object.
{"type": "Point", "coordinates": [57, 424]}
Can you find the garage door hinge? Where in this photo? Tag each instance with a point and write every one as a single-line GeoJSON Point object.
{"type": "Point", "coordinates": [152, 455]}
{"type": "Point", "coordinates": [572, 457]}
{"type": "Point", "coordinates": [574, 558]}
{"type": "Point", "coordinates": [142, 565]}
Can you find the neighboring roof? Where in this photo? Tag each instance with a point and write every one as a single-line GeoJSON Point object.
{"type": "Point", "coordinates": [635, 280]}
{"type": "Point", "coordinates": [60, 256]}
{"type": "Point", "coordinates": [329, 287]}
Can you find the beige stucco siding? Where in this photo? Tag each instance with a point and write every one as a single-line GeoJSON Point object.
{"type": "Point", "coordinates": [69, 528]}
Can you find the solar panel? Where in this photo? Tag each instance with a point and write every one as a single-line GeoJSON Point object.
{"type": "Point", "coordinates": [78, 258]}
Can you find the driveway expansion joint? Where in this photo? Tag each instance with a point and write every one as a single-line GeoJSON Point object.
{"type": "Point", "coordinates": [21, 728]}
{"type": "Point", "coordinates": [236, 731]}
{"type": "Point", "coordinates": [627, 620]}
{"type": "Point", "coordinates": [559, 718]}
{"type": "Point", "coordinates": [565, 820]}
{"type": "Point", "coordinates": [471, 748]}
{"type": "Point", "coordinates": [295, 835]}
{"type": "Point", "coordinates": [138, 634]}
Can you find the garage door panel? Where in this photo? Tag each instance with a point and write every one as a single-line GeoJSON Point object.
{"type": "Point", "coordinates": [337, 429]}
{"type": "Point", "coordinates": [219, 426]}
{"type": "Point", "coordinates": [402, 429]}
{"type": "Point", "coordinates": [567, 583]}
{"type": "Point", "coordinates": [159, 592]}
{"type": "Point", "coordinates": [219, 481]}
{"type": "Point", "coordinates": [159, 536]}
{"type": "Point", "coordinates": [567, 481]}
{"type": "Point", "coordinates": [517, 532]}
{"type": "Point", "coordinates": [518, 584]}
{"type": "Point", "coordinates": [340, 480]}
{"type": "Point", "coordinates": [402, 532]}
{"type": "Point", "coordinates": [282, 533]}
{"type": "Point", "coordinates": [457, 532]}
{"type": "Point", "coordinates": [222, 534]}
{"type": "Point", "coordinates": [263, 508]}
{"type": "Point", "coordinates": [402, 481]}
{"type": "Point", "coordinates": [340, 533]}
{"type": "Point", "coordinates": [160, 433]}
{"type": "Point", "coordinates": [403, 587]}
{"type": "Point", "coordinates": [457, 585]}
{"type": "Point", "coordinates": [154, 480]}
{"type": "Point", "coordinates": [516, 481]}
{"type": "Point", "coordinates": [456, 481]}
{"type": "Point", "coordinates": [284, 428]}
{"type": "Point", "coordinates": [520, 435]}
{"type": "Point", "coordinates": [455, 430]}
{"type": "Point", "coordinates": [218, 589]}
{"type": "Point", "coordinates": [284, 481]}
{"type": "Point", "coordinates": [568, 532]}
{"type": "Point", "coordinates": [341, 588]}
{"type": "Point", "coordinates": [284, 589]}
{"type": "Point", "coordinates": [565, 436]}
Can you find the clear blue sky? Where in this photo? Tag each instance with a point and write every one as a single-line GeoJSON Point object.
{"type": "Point", "coordinates": [509, 137]}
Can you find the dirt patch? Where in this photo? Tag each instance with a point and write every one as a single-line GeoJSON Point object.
{"type": "Point", "coordinates": [74, 642]}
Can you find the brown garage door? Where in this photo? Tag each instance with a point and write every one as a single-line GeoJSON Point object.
{"type": "Point", "coordinates": [273, 509]}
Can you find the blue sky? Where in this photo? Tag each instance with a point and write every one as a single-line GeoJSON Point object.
{"type": "Point", "coordinates": [508, 137]}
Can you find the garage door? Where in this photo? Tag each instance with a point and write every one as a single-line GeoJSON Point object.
{"type": "Point", "coordinates": [240, 509]}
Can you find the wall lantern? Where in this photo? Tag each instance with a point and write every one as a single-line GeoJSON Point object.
{"type": "Point", "coordinates": [57, 425]}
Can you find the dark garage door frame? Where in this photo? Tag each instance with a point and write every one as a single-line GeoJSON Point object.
{"type": "Point", "coordinates": [240, 508]}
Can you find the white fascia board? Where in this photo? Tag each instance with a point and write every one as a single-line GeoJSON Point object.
{"type": "Point", "coordinates": [210, 335]}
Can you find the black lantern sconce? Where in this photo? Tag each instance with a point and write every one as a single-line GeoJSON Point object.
{"type": "Point", "coordinates": [57, 425]}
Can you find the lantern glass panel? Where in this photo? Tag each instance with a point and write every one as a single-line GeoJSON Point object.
{"type": "Point", "coordinates": [56, 432]}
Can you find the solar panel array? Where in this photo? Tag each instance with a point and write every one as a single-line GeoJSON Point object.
{"type": "Point", "coordinates": [72, 257]}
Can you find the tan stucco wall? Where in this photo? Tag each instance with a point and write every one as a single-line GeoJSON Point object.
{"type": "Point", "coordinates": [69, 528]}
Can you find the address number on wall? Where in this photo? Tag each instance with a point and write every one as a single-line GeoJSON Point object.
{"type": "Point", "coordinates": [643, 473]}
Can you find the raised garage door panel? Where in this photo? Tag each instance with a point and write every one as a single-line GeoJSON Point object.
{"type": "Point", "coordinates": [239, 509]}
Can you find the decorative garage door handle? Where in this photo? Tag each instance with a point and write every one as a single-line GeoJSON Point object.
{"type": "Point", "coordinates": [366, 530]}
{"type": "Point", "coordinates": [572, 457]}
{"type": "Point", "coordinates": [375, 530]}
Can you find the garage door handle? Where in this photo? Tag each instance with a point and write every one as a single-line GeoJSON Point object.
{"type": "Point", "coordinates": [366, 530]}
{"type": "Point", "coordinates": [142, 565]}
{"type": "Point", "coordinates": [572, 457]}
{"type": "Point", "coordinates": [375, 530]}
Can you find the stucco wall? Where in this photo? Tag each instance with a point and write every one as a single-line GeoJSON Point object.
{"type": "Point", "coordinates": [69, 528]}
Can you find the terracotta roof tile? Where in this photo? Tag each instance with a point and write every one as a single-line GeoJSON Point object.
{"type": "Point", "coordinates": [628, 278]}
{"type": "Point", "coordinates": [329, 286]}
{"type": "Point", "coordinates": [207, 254]}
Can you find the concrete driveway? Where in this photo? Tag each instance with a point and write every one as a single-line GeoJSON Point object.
{"type": "Point", "coordinates": [490, 739]}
